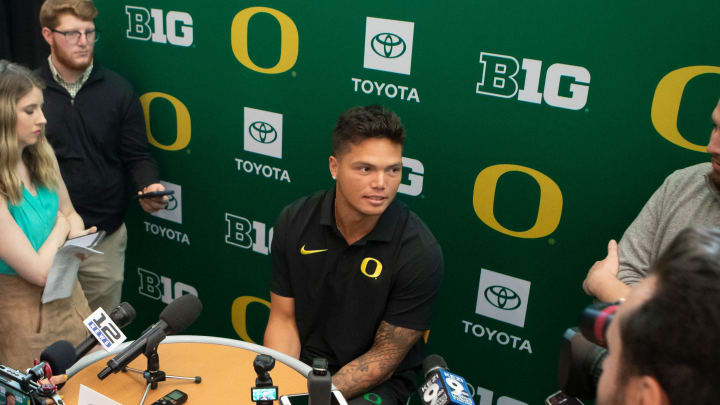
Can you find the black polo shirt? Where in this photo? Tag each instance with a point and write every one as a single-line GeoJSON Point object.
{"type": "Point", "coordinates": [342, 292]}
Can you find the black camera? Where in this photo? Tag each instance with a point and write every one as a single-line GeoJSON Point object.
{"type": "Point", "coordinates": [584, 350]}
{"type": "Point", "coordinates": [264, 392]}
{"type": "Point", "coordinates": [25, 388]}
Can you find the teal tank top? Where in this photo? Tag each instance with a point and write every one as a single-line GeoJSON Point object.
{"type": "Point", "coordinates": [36, 216]}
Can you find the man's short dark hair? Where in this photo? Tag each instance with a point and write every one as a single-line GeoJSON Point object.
{"type": "Point", "coordinates": [675, 335]}
{"type": "Point", "coordinates": [360, 123]}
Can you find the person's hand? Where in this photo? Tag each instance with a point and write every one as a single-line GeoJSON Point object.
{"type": "Point", "coordinates": [154, 204]}
{"type": "Point", "coordinates": [57, 380]}
{"type": "Point", "coordinates": [88, 231]}
{"type": "Point", "coordinates": [603, 272]}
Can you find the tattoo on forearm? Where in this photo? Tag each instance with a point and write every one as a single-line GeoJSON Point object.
{"type": "Point", "coordinates": [377, 365]}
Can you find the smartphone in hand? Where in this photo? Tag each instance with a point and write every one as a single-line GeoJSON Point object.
{"type": "Point", "coordinates": [152, 194]}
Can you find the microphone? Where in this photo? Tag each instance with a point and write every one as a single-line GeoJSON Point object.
{"type": "Point", "coordinates": [177, 316]}
{"type": "Point", "coordinates": [26, 388]}
{"type": "Point", "coordinates": [59, 356]}
{"type": "Point", "coordinates": [122, 315]}
{"type": "Point", "coordinates": [441, 386]}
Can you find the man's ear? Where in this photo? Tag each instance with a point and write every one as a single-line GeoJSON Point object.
{"type": "Point", "coordinates": [47, 34]}
{"type": "Point", "coordinates": [333, 163]}
{"type": "Point", "coordinates": [649, 392]}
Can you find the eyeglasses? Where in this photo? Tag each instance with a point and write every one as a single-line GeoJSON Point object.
{"type": "Point", "coordinates": [74, 36]}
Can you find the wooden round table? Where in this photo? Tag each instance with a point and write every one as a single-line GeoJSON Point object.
{"type": "Point", "coordinates": [225, 365]}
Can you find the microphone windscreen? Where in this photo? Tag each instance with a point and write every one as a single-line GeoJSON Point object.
{"type": "Point", "coordinates": [123, 314]}
{"type": "Point", "coordinates": [433, 361]}
{"type": "Point", "coordinates": [181, 313]}
{"type": "Point", "coordinates": [59, 355]}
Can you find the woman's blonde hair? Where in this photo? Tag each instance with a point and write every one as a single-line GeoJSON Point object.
{"type": "Point", "coordinates": [15, 83]}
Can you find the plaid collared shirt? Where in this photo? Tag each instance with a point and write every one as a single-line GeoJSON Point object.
{"type": "Point", "coordinates": [72, 88]}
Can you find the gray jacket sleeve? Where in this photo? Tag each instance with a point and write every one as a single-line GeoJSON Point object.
{"type": "Point", "coordinates": [635, 250]}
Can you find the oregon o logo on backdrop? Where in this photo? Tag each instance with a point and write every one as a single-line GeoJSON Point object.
{"type": "Point", "coordinates": [549, 209]}
{"type": "Point", "coordinates": [183, 121]}
{"type": "Point", "coordinates": [289, 40]}
{"type": "Point", "coordinates": [262, 132]}
{"type": "Point", "coordinates": [239, 315]}
{"type": "Point", "coordinates": [666, 103]}
{"type": "Point", "coordinates": [388, 45]}
{"type": "Point", "coordinates": [502, 297]}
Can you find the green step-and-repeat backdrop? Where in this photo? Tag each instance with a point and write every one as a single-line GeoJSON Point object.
{"type": "Point", "coordinates": [536, 131]}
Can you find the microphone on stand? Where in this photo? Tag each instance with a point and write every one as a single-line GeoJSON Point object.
{"type": "Point", "coordinates": [441, 386]}
{"type": "Point", "coordinates": [177, 316]}
{"type": "Point", "coordinates": [122, 315]}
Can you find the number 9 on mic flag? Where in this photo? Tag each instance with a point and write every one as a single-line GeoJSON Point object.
{"type": "Point", "coordinates": [445, 388]}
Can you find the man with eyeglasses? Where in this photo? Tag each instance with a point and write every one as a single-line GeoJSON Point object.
{"type": "Point", "coordinates": [96, 126]}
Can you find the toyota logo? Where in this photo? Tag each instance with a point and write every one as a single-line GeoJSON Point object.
{"type": "Point", "coordinates": [262, 132]}
{"type": "Point", "coordinates": [502, 297]}
{"type": "Point", "coordinates": [172, 203]}
{"type": "Point", "coordinates": [388, 45]}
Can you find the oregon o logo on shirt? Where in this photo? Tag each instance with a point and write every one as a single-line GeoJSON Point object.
{"type": "Point", "coordinates": [371, 270]}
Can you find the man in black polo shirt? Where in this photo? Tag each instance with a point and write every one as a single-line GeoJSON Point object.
{"type": "Point", "coordinates": [355, 273]}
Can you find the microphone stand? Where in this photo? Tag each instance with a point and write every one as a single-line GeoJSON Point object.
{"type": "Point", "coordinates": [153, 375]}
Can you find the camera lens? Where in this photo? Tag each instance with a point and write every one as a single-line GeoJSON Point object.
{"type": "Point", "coordinates": [595, 320]}
{"type": "Point", "coordinates": [580, 365]}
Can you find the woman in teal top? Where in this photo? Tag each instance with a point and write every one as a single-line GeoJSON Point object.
{"type": "Point", "coordinates": [36, 217]}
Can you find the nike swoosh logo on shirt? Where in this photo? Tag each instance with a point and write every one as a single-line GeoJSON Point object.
{"type": "Point", "coordinates": [303, 251]}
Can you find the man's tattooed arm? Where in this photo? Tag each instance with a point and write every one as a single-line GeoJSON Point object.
{"type": "Point", "coordinates": [377, 365]}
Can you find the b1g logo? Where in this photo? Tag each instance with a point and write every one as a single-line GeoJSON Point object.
{"type": "Point", "coordinates": [173, 209]}
{"type": "Point", "coordinates": [388, 45]}
{"type": "Point", "coordinates": [502, 297]}
{"type": "Point", "coordinates": [175, 27]}
{"type": "Point", "coordinates": [415, 177]}
{"type": "Point", "coordinates": [263, 132]}
{"type": "Point", "coordinates": [499, 79]}
{"type": "Point", "coordinates": [162, 288]}
{"type": "Point", "coordinates": [485, 397]}
{"type": "Point", "coordinates": [246, 234]}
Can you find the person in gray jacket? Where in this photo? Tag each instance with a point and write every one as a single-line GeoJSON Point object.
{"type": "Point", "coordinates": [688, 197]}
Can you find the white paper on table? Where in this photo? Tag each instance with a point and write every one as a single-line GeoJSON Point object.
{"type": "Point", "coordinates": [63, 272]}
{"type": "Point", "coordinates": [88, 396]}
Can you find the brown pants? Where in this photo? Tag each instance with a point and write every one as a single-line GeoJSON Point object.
{"type": "Point", "coordinates": [101, 276]}
{"type": "Point", "coordinates": [27, 326]}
